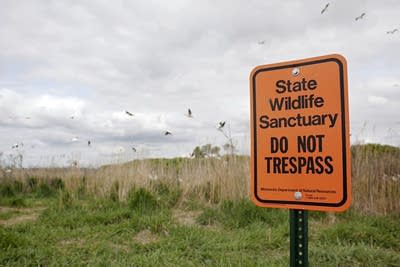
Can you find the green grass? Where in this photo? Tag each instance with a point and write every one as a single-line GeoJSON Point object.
{"type": "Point", "coordinates": [8, 214]}
{"type": "Point", "coordinates": [104, 232]}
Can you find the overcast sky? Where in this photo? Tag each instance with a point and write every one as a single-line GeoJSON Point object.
{"type": "Point", "coordinates": [70, 69]}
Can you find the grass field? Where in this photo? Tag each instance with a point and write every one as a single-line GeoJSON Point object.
{"type": "Point", "coordinates": [189, 212]}
{"type": "Point", "coordinates": [150, 230]}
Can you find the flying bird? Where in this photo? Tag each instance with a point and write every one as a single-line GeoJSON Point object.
{"type": "Point", "coordinates": [324, 9]}
{"type": "Point", "coordinates": [261, 42]}
{"type": "Point", "coordinates": [167, 133]}
{"type": "Point", "coordinates": [360, 17]}
{"type": "Point", "coordinates": [127, 112]}
{"type": "Point", "coordinates": [14, 146]}
{"type": "Point", "coordinates": [392, 31]}
{"type": "Point", "coordinates": [89, 143]}
{"type": "Point", "coordinates": [134, 149]}
{"type": "Point", "coordinates": [189, 114]}
{"type": "Point", "coordinates": [221, 125]}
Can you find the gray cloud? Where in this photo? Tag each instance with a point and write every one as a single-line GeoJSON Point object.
{"type": "Point", "coordinates": [94, 60]}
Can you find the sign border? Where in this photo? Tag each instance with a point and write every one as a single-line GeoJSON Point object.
{"type": "Point", "coordinates": [343, 117]}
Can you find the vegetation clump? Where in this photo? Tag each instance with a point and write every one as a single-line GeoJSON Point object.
{"type": "Point", "coordinates": [142, 201]}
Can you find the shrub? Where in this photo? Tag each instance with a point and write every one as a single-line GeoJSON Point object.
{"type": "Point", "coordinates": [173, 197]}
{"type": "Point", "coordinates": [44, 190]}
{"type": "Point", "coordinates": [142, 200]}
{"type": "Point", "coordinates": [18, 202]}
{"type": "Point", "coordinates": [160, 188]}
{"type": "Point", "coordinates": [7, 190]}
{"type": "Point", "coordinates": [82, 187]}
{"type": "Point", "coordinates": [57, 183]}
{"type": "Point", "coordinates": [65, 199]}
{"type": "Point", "coordinates": [209, 216]}
{"type": "Point", "coordinates": [32, 183]}
{"type": "Point", "coordinates": [169, 195]}
{"type": "Point", "coordinates": [18, 186]}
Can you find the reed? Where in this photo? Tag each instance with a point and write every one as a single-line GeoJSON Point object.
{"type": "Point", "coordinates": [375, 176]}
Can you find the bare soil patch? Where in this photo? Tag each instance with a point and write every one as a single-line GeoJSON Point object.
{"type": "Point", "coordinates": [145, 237]}
{"type": "Point", "coordinates": [22, 215]}
{"type": "Point", "coordinates": [72, 242]}
{"type": "Point", "coordinates": [185, 217]}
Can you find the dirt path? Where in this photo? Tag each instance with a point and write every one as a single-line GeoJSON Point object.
{"type": "Point", "coordinates": [185, 217]}
{"type": "Point", "coordinates": [21, 215]}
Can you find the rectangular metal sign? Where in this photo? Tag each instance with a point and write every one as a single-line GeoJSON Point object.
{"type": "Point", "coordinates": [300, 149]}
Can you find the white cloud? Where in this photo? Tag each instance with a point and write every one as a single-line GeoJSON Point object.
{"type": "Point", "coordinates": [377, 100]}
{"type": "Point", "coordinates": [94, 60]}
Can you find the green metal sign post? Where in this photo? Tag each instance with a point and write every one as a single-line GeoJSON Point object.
{"type": "Point", "coordinates": [298, 238]}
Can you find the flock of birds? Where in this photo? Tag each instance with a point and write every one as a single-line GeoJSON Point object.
{"type": "Point", "coordinates": [326, 8]}
{"type": "Point", "coordinates": [189, 114]}
{"type": "Point", "coordinates": [360, 17]}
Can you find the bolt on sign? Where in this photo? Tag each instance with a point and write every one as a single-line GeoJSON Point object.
{"type": "Point", "coordinates": [300, 149]}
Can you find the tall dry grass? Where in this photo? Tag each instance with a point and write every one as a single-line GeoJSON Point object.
{"type": "Point", "coordinates": [206, 179]}
{"type": "Point", "coordinates": [375, 175]}
{"type": "Point", "coordinates": [210, 179]}
{"type": "Point", "coordinates": [376, 178]}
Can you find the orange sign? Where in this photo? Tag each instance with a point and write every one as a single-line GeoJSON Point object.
{"type": "Point", "coordinates": [300, 149]}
